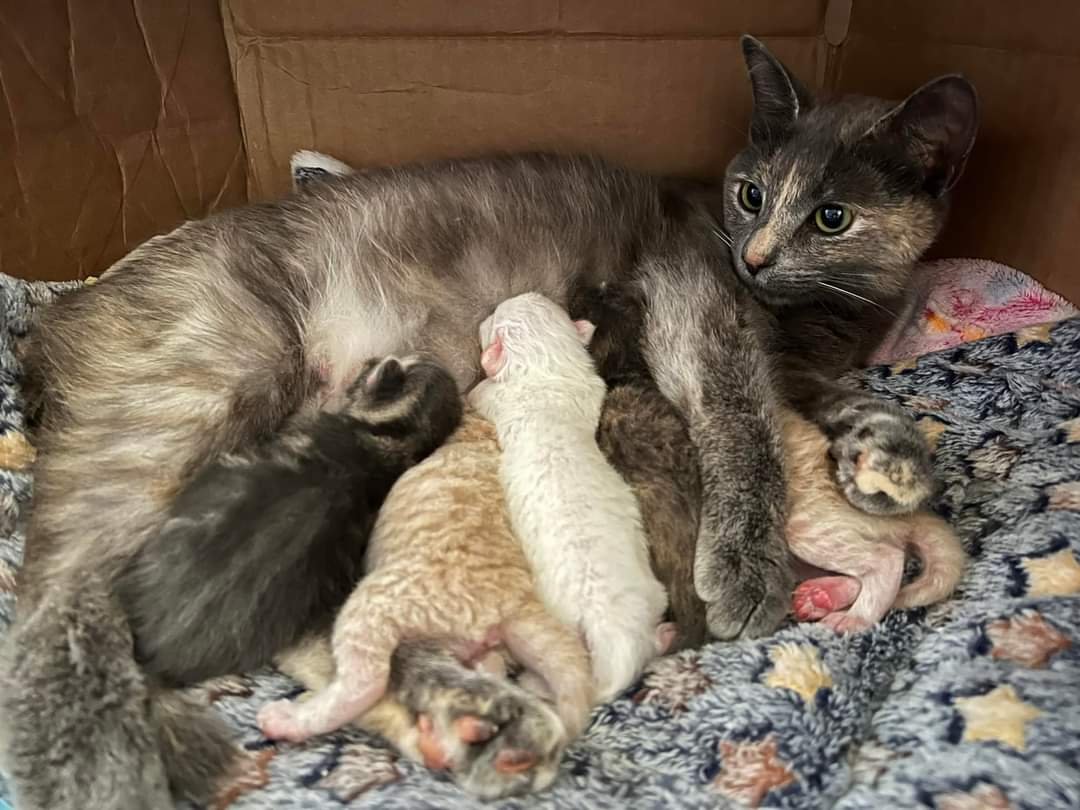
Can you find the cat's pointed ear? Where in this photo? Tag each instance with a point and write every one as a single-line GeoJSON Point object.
{"type": "Point", "coordinates": [585, 330]}
{"type": "Point", "coordinates": [779, 99]}
{"type": "Point", "coordinates": [937, 124]}
{"type": "Point", "coordinates": [386, 380]}
{"type": "Point", "coordinates": [493, 357]}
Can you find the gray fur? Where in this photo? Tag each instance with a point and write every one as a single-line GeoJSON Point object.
{"type": "Point", "coordinates": [205, 341]}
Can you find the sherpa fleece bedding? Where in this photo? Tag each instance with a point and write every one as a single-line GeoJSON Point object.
{"type": "Point", "coordinates": [971, 705]}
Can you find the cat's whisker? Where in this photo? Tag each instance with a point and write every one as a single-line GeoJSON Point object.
{"type": "Point", "coordinates": [723, 236]}
{"type": "Point", "coordinates": [857, 297]}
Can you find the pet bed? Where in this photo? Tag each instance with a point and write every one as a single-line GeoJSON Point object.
{"type": "Point", "coordinates": [974, 703]}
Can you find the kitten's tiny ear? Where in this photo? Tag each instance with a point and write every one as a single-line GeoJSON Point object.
{"type": "Point", "coordinates": [386, 380]}
{"type": "Point", "coordinates": [585, 331]}
{"type": "Point", "coordinates": [494, 355]}
{"type": "Point", "coordinates": [779, 99]}
{"type": "Point", "coordinates": [938, 123]}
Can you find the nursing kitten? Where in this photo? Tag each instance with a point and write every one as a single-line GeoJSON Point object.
{"type": "Point", "coordinates": [443, 563]}
{"type": "Point", "coordinates": [645, 440]}
{"type": "Point", "coordinates": [206, 339]}
{"type": "Point", "coordinates": [825, 530]}
{"type": "Point", "coordinates": [578, 522]}
{"type": "Point", "coordinates": [280, 529]}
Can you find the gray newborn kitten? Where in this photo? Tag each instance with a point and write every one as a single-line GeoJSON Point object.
{"type": "Point", "coordinates": [206, 339]}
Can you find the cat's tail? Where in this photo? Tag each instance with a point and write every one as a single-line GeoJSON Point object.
{"type": "Point", "coordinates": [553, 651]}
{"type": "Point", "coordinates": [81, 726]}
{"type": "Point", "coordinates": [943, 559]}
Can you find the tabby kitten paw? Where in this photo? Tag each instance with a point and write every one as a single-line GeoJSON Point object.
{"type": "Point", "coordinates": [494, 738]}
{"type": "Point", "coordinates": [883, 463]}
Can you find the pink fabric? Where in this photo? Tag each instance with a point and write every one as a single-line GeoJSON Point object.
{"type": "Point", "coordinates": [957, 300]}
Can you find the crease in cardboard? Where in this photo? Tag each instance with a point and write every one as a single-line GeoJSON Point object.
{"type": "Point", "coordinates": [165, 84]}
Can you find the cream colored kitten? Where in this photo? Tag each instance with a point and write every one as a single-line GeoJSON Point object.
{"type": "Point", "coordinates": [825, 530]}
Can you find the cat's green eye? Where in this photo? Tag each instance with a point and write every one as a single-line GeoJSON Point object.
{"type": "Point", "coordinates": [832, 219]}
{"type": "Point", "coordinates": [751, 197]}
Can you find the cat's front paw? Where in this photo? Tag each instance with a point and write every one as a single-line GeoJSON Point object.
{"type": "Point", "coordinates": [883, 463]}
{"type": "Point", "coordinates": [745, 598]}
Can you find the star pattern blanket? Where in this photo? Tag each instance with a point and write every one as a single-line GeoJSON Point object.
{"type": "Point", "coordinates": [972, 704]}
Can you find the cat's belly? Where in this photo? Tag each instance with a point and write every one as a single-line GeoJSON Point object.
{"type": "Point", "coordinates": [355, 320]}
{"type": "Point", "coordinates": [345, 328]}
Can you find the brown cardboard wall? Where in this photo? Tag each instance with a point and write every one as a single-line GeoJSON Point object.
{"type": "Point", "coordinates": [1019, 201]}
{"type": "Point", "coordinates": [119, 120]}
{"type": "Point", "coordinates": [658, 85]}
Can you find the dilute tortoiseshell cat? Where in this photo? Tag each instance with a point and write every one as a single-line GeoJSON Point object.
{"type": "Point", "coordinates": [205, 340]}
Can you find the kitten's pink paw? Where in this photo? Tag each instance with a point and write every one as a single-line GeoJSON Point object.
{"type": "Point", "coordinates": [846, 622]}
{"type": "Point", "coordinates": [280, 720]}
{"type": "Point", "coordinates": [468, 728]}
{"type": "Point", "coordinates": [816, 598]}
{"type": "Point", "coordinates": [665, 635]}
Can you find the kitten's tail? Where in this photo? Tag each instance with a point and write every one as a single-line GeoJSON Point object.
{"type": "Point", "coordinates": [620, 643]}
{"type": "Point", "coordinates": [81, 725]}
{"type": "Point", "coordinates": [943, 558]}
{"type": "Point", "coordinates": [554, 651]}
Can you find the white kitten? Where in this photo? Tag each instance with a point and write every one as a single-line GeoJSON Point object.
{"type": "Point", "coordinates": [576, 518]}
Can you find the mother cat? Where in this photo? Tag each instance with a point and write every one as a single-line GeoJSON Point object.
{"type": "Point", "coordinates": [204, 340]}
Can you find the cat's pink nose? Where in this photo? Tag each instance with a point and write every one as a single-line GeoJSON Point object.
{"type": "Point", "coordinates": [756, 260]}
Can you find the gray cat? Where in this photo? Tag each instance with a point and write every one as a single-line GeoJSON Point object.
{"type": "Point", "coordinates": [206, 339]}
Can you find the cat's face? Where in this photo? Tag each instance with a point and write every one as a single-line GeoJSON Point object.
{"type": "Point", "coordinates": [839, 199]}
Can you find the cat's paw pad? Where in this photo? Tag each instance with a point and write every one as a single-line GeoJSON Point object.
{"type": "Point", "coordinates": [814, 599]}
{"type": "Point", "coordinates": [883, 463]}
{"type": "Point", "coordinates": [846, 622]}
{"type": "Point", "coordinates": [495, 738]}
{"type": "Point", "coordinates": [280, 720]}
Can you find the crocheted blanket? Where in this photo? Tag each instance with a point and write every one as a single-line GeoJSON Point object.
{"type": "Point", "coordinates": [974, 703]}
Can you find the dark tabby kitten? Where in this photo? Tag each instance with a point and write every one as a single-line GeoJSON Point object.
{"type": "Point", "coordinates": [207, 339]}
{"type": "Point", "coordinates": [290, 516]}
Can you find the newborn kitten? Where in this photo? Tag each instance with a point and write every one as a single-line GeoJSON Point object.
{"type": "Point", "coordinates": [825, 530]}
{"type": "Point", "coordinates": [577, 520]}
{"type": "Point", "coordinates": [443, 563]}
{"type": "Point", "coordinates": [282, 527]}
{"type": "Point", "coordinates": [645, 439]}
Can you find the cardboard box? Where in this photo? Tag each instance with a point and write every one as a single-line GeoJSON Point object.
{"type": "Point", "coordinates": [125, 118]}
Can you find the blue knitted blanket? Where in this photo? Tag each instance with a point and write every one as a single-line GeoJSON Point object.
{"type": "Point", "coordinates": [972, 704]}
